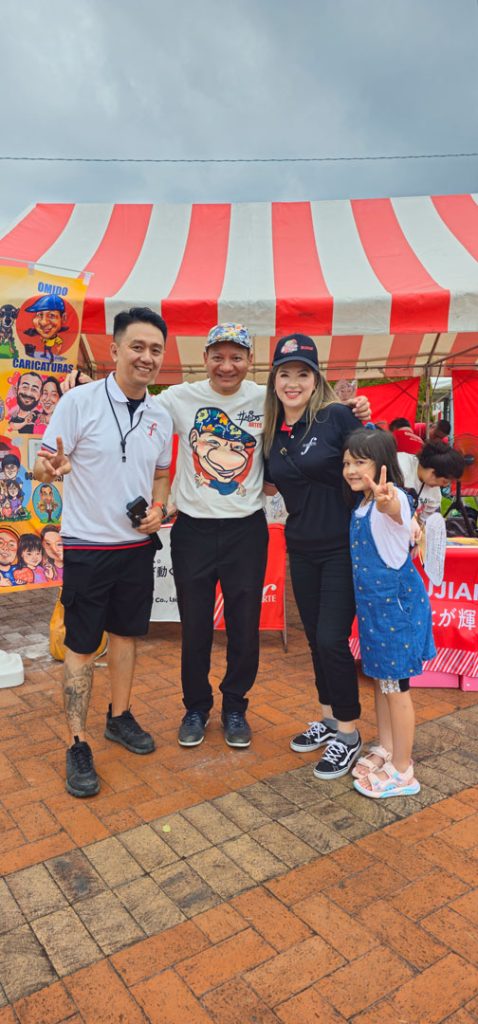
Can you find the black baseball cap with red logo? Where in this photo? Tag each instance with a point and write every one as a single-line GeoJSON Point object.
{"type": "Point", "coordinates": [296, 348]}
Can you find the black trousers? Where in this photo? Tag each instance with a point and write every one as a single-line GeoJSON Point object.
{"type": "Point", "coordinates": [233, 552]}
{"type": "Point", "coordinates": [323, 589]}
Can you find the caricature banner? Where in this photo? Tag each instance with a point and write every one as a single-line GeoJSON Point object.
{"type": "Point", "coordinates": [40, 318]}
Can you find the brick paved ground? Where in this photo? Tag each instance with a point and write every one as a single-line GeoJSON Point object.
{"type": "Point", "coordinates": [213, 885]}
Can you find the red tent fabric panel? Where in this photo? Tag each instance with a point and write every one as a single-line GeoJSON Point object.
{"type": "Point", "coordinates": [343, 356]}
{"type": "Point", "coordinates": [403, 351]}
{"type": "Point", "coordinates": [464, 349]}
{"type": "Point", "coordinates": [191, 306]}
{"type": "Point", "coordinates": [417, 300]}
{"type": "Point", "coordinates": [391, 400]}
{"type": "Point", "coordinates": [38, 230]}
{"type": "Point", "coordinates": [304, 302]}
{"type": "Point", "coordinates": [465, 402]}
{"type": "Point", "coordinates": [113, 261]}
{"type": "Point", "coordinates": [460, 214]}
{"type": "Point", "coordinates": [374, 267]}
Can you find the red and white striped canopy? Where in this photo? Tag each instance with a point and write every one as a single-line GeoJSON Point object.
{"type": "Point", "coordinates": [404, 269]}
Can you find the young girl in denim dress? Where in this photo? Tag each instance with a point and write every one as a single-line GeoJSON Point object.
{"type": "Point", "coordinates": [393, 611]}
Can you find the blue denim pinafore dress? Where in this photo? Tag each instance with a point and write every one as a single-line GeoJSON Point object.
{"type": "Point", "coordinates": [393, 610]}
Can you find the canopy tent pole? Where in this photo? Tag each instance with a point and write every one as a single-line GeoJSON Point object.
{"type": "Point", "coordinates": [428, 384]}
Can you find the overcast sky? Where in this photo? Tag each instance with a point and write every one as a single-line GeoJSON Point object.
{"type": "Point", "coordinates": [236, 78]}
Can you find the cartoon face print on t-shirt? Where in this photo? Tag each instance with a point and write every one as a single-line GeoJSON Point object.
{"type": "Point", "coordinates": [222, 452]}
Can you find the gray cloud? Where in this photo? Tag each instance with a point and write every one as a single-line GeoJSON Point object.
{"type": "Point", "coordinates": [236, 78]}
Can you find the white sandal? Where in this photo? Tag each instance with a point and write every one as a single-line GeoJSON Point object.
{"type": "Point", "coordinates": [395, 783]}
{"type": "Point", "coordinates": [365, 762]}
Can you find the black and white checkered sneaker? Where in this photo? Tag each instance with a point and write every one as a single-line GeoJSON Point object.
{"type": "Point", "coordinates": [312, 738]}
{"type": "Point", "coordinates": [337, 759]}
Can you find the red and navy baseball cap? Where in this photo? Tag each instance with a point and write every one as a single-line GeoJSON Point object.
{"type": "Point", "coordinates": [296, 348]}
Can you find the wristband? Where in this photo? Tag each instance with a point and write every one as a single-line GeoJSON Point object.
{"type": "Point", "coordinates": [162, 506]}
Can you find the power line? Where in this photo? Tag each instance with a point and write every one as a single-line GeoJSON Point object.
{"type": "Point", "coordinates": [236, 160]}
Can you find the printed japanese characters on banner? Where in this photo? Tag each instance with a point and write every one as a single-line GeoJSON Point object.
{"type": "Point", "coordinates": [40, 318]}
{"type": "Point", "coordinates": [454, 601]}
{"type": "Point", "coordinates": [454, 606]}
{"type": "Point", "coordinates": [165, 602]}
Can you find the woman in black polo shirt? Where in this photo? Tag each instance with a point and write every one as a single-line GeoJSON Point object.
{"type": "Point", "coordinates": [304, 434]}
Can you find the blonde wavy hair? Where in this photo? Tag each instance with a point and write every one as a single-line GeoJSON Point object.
{"type": "Point", "coordinates": [322, 395]}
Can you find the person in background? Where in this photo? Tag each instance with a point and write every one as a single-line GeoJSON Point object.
{"type": "Point", "coordinates": [440, 431]}
{"type": "Point", "coordinates": [305, 428]}
{"type": "Point", "coordinates": [436, 466]}
{"type": "Point", "coordinates": [393, 611]}
{"type": "Point", "coordinates": [405, 439]}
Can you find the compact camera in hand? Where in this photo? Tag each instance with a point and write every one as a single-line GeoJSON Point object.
{"type": "Point", "coordinates": [136, 511]}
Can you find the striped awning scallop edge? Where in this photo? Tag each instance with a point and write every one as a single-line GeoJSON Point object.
{"type": "Point", "coordinates": [403, 269]}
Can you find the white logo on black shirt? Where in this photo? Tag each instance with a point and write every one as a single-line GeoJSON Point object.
{"type": "Point", "coordinates": [310, 444]}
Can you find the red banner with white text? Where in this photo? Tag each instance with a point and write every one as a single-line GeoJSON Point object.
{"type": "Point", "coordinates": [455, 602]}
{"type": "Point", "coordinates": [454, 607]}
{"type": "Point", "coordinates": [165, 603]}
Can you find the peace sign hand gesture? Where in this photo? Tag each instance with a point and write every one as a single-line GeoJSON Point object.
{"type": "Point", "coordinates": [56, 464]}
{"type": "Point", "coordinates": [385, 494]}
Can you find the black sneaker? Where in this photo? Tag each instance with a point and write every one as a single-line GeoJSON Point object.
{"type": "Point", "coordinates": [81, 778]}
{"type": "Point", "coordinates": [312, 738]}
{"type": "Point", "coordinates": [126, 730]}
{"type": "Point", "coordinates": [337, 759]}
{"type": "Point", "coordinates": [237, 732]}
{"type": "Point", "coordinates": [191, 730]}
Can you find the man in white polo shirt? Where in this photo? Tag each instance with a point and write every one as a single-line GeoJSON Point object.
{"type": "Point", "coordinates": [112, 443]}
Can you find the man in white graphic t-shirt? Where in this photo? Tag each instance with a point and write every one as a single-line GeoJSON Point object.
{"type": "Point", "coordinates": [220, 534]}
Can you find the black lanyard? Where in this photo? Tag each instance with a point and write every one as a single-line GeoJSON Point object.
{"type": "Point", "coordinates": [128, 432]}
{"type": "Point", "coordinates": [414, 496]}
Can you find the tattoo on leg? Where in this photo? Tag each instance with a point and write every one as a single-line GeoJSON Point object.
{"type": "Point", "coordinates": [76, 693]}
